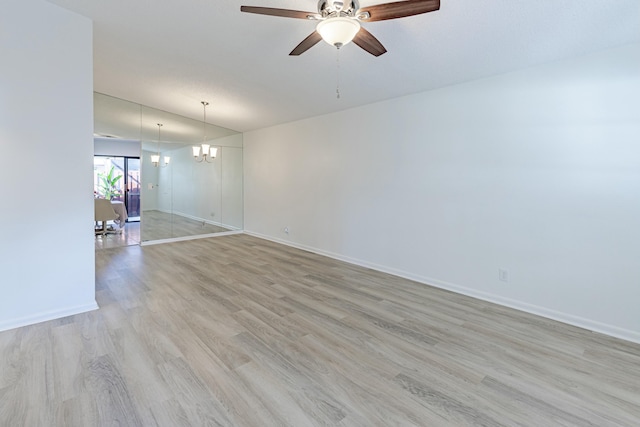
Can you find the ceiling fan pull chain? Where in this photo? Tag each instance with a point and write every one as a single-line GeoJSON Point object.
{"type": "Point", "coordinates": [338, 73]}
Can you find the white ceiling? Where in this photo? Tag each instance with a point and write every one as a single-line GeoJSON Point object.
{"type": "Point", "coordinates": [171, 54]}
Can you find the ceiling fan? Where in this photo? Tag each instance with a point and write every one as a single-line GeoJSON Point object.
{"type": "Point", "coordinates": [339, 21]}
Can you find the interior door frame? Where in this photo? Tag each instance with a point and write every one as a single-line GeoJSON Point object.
{"type": "Point", "coordinates": [126, 180]}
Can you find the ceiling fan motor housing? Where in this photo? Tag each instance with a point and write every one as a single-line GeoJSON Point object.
{"type": "Point", "coordinates": [333, 8]}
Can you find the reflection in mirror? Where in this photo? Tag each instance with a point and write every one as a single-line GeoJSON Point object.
{"type": "Point", "coordinates": [182, 197]}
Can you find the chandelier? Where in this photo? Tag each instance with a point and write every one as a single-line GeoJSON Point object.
{"type": "Point", "coordinates": [204, 152]}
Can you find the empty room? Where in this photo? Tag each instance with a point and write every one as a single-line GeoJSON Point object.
{"type": "Point", "coordinates": [320, 213]}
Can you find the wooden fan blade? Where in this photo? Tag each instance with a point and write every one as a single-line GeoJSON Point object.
{"type": "Point", "coordinates": [368, 42]}
{"type": "Point", "coordinates": [306, 44]}
{"type": "Point", "coordinates": [279, 12]}
{"type": "Point", "coordinates": [398, 9]}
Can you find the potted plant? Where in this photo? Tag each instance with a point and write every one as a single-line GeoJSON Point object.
{"type": "Point", "coordinates": [108, 188]}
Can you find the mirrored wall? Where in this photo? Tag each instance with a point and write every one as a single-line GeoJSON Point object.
{"type": "Point", "coordinates": [179, 196]}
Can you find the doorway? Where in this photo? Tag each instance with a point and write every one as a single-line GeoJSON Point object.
{"type": "Point", "coordinates": [123, 174]}
{"type": "Point", "coordinates": [117, 178]}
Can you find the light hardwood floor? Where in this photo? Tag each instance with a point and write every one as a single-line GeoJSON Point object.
{"type": "Point", "coordinates": [238, 331]}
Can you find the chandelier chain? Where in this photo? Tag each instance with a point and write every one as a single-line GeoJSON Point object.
{"type": "Point", "coordinates": [338, 73]}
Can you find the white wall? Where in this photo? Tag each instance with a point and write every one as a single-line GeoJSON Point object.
{"type": "Point", "coordinates": [536, 172]}
{"type": "Point", "coordinates": [46, 162]}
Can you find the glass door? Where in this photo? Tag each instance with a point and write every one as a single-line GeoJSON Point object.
{"type": "Point", "coordinates": [118, 179]}
{"type": "Point", "coordinates": [132, 187]}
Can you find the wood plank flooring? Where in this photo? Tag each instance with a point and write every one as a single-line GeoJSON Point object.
{"type": "Point", "coordinates": [238, 331]}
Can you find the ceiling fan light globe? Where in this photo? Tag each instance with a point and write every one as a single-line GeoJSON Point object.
{"type": "Point", "coordinates": [338, 31]}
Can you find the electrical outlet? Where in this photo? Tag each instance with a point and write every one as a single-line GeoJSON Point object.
{"type": "Point", "coordinates": [503, 275]}
{"type": "Point", "coordinates": [286, 230]}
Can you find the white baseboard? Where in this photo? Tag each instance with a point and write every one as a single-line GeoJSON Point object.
{"type": "Point", "coordinates": [559, 316]}
{"type": "Point", "coordinates": [570, 319]}
{"type": "Point", "coordinates": [46, 316]}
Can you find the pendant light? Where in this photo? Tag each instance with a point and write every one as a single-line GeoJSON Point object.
{"type": "Point", "coordinates": [205, 152]}
{"type": "Point", "coordinates": [155, 158]}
